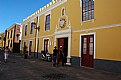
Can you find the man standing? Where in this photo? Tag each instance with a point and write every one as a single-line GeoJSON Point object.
{"type": "Point", "coordinates": [55, 52]}
{"type": "Point", "coordinates": [61, 56]}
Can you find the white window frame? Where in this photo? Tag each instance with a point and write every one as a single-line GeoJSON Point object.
{"type": "Point", "coordinates": [31, 27]}
{"type": "Point", "coordinates": [49, 12]}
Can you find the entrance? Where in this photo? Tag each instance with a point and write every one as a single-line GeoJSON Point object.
{"type": "Point", "coordinates": [46, 41]}
{"type": "Point", "coordinates": [63, 42]}
{"type": "Point", "coordinates": [30, 47]}
{"type": "Point", "coordinates": [87, 50]}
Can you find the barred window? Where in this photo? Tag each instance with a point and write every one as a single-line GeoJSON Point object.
{"type": "Point", "coordinates": [8, 34]}
{"type": "Point", "coordinates": [32, 28]}
{"type": "Point", "coordinates": [25, 30]}
{"type": "Point", "coordinates": [47, 22]}
{"type": "Point", "coordinates": [87, 10]}
{"type": "Point", "coordinates": [11, 33]}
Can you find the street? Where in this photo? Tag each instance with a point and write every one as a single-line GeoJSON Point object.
{"type": "Point", "coordinates": [18, 68]}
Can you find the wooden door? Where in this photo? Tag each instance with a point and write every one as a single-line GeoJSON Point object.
{"type": "Point", "coordinates": [87, 50]}
{"type": "Point", "coordinates": [60, 43]}
{"type": "Point", "coordinates": [46, 41]}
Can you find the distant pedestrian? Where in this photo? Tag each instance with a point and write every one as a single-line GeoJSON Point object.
{"type": "Point", "coordinates": [61, 56]}
{"type": "Point", "coordinates": [55, 52]}
{"type": "Point", "coordinates": [6, 53]}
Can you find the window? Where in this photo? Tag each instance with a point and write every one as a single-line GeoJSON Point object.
{"type": "Point", "coordinates": [47, 22]}
{"type": "Point", "coordinates": [25, 30]}
{"type": "Point", "coordinates": [32, 28]}
{"type": "Point", "coordinates": [8, 42]}
{"type": "Point", "coordinates": [8, 34]}
{"type": "Point", "coordinates": [11, 33]}
{"type": "Point", "coordinates": [11, 44]}
{"type": "Point", "coordinates": [87, 10]}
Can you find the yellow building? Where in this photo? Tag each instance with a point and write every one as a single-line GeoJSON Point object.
{"type": "Point", "coordinates": [13, 37]}
{"type": "Point", "coordinates": [2, 40]}
{"type": "Point", "coordinates": [88, 31]}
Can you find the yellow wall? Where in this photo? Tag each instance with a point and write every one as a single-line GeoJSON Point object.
{"type": "Point", "coordinates": [108, 45]}
{"type": "Point", "coordinates": [12, 28]}
{"type": "Point", "coordinates": [106, 13]}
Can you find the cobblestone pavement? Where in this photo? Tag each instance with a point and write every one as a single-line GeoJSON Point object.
{"type": "Point", "coordinates": [18, 68]}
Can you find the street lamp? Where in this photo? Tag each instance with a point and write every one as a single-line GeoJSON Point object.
{"type": "Point", "coordinates": [35, 24]}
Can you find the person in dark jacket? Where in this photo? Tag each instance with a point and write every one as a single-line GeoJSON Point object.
{"type": "Point", "coordinates": [55, 52]}
{"type": "Point", "coordinates": [61, 56]}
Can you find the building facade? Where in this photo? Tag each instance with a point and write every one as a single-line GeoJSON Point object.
{"type": "Point", "coordinates": [88, 31]}
{"type": "Point", "coordinates": [13, 37]}
{"type": "Point", "coordinates": [2, 35]}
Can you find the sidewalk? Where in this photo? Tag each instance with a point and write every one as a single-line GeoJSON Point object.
{"type": "Point", "coordinates": [19, 68]}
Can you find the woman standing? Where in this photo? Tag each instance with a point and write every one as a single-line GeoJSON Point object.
{"type": "Point", "coordinates": [6, 54]}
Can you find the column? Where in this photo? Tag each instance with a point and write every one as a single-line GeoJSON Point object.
{"type": "Point", "coordinates": [69, 51]}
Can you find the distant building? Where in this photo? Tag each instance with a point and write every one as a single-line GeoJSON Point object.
{"type": "Point", "coordinates": [13, 37]}
{"type": "Point", "coordinates": [2, 37]}
{"type": "Point", "coordinates": [88, 31]}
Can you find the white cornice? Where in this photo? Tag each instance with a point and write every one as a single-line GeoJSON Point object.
{"type": "Point", "coordinates": [62, 32]}
{"type": "Point", "coordinates": [45, 10]}
{"type": "Point", "coordinates": [28, 39]}
{"type": "Point", "coordinates": [13, 25]}
{"type": "Point", "coordinates": [101, 27]}
{"type": "Point", "coordinates": [45, 36]}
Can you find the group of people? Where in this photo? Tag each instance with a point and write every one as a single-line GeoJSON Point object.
{"type": "Point", "coordinates": [58, 56]}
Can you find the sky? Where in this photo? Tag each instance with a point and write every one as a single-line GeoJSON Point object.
{"type": "Point", "coordinates": [14, 11]}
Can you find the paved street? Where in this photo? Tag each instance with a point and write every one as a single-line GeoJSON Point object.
{"type": "Point", "coordinates": [18, 68]}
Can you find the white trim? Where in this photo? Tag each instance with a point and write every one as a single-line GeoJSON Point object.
{"type": "Point", "coordinates": [45, 36]}
{"type": "Point", "coordinates": [91, 20]}
{"type": "Point", "coordinates": [80, 3]}
{"type": "Point", "coordinates": [101, 27]}
{"type": "Point", "coordinates": [37, 35]}
{"type": "Point", "coordinates": [94, 33]}
{"type": "Point", "coordinates": [28, 39]}
{"type": "Point", "coordinates": [46, 10]}
{"type": "Point", "coordinates": [63, 32]}
{"type": "Point", "coordinates": [69, 44]}
{"type": "Point", "coordinates": [47, 13]}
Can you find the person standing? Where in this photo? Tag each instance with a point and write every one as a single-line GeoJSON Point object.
{"type": "Point", "coordinates": [61, 56]}
{"type": "Point", "coordinates": [6, 53]}
{"type": "Point", "coordinates": [55, 52]}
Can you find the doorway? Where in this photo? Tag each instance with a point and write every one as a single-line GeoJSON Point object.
{"type": "Point", "coordinates": [46, 43]}
{"type": "Point", "coordinates": [30, 47]}
{"type": "Point", "coordinates": [63, 42]}
{"type": "Point", "coordinates": [87, 50]}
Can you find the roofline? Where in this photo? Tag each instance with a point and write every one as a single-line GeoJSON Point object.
{"type": "Point", "coordinates": [13, 25]}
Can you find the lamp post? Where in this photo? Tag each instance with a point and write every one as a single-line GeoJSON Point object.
{"type": "Point", "coordinates": [36, 27]}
